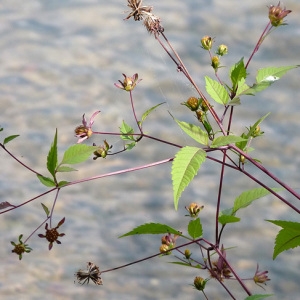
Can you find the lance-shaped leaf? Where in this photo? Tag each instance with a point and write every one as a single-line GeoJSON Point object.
{"type": "Point", "coordinates": [258, 296]}
{"type": "Point", "coordinates": [10, 138]}
{"type": "Point", "coordinates": [226, 140]}
{"type": "Point", "coordinates": [46, 210]}
{"type": "Point", "coordinates": [152, 228]}
{"type": "Point", "coordinates": [52, 156]}
{"type": "Point", "coordinates": [195, 132]}
{"type": "Point", "coordinates": [238, 73]}
{"type": "Point", "coordinates": [126, 132]}
{"type": "Point", "coordinates": [287, 238]}
{"type": "Point", "coordinates": [184, 167]}
{"type": "Point", "coordinates": [46, 180]}
{"type": "Point", "coordinates": [146, 113]}
{"type": "Point", "coordinates": [77, 153]}
{"type": "Point", "coordinates": [267, 76]}
{"type": "Point", "coordinates": [216, 90]}
{"type": "Point", "coordinates": [247, 197]}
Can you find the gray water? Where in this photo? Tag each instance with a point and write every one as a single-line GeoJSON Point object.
{"type": "Point", "coordinates": [59, 59]}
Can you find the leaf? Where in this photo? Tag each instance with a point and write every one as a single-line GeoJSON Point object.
{"type": "Point", "coordinates": [130, 146]}
{"type": "Point", "coordinates": [77, 153]}
{"type": "Point", "coordinates": [225, 219]}
{"type": "Point", "coordinates": [272, 74]}
{"type": "Point", "coordinates": [267, 76]}
{"type": "Point", "coordinates": [225, 140]}
{"type": "Point", "coordinates": [52, 156]}
{"type": "Point", "coordinates": [253, 128]}
{"type": "Point", "coordinates": [65, 169]}
{"type": "Point", "coordinates": [46, 180]}
{"type": "Point", "coordinates": [126, 132]}
{"type": "Point", "coordinates": [62, 183]}
{"type": "Point", "coordinates": [151, 228]}
{"type": "Point", "coordinates": [195, 228]}
{"type": "Point", "coordinates": [185, 166]}
{"type": "Point", "coordinates": [238, 73]}
{"type": "Point", "coordinates": [5, 204]}
{"type": "Point", "coordinates": [287, 238]}
{"type": "Point", "coordinates": [185, 264]}
{"type": "Point", "coordinates": [46, 210]}
{"type": "Point", "coordinates": [247, 197]}
{"type": "Point", "coordinates": [216, 90]}
{"type": "Point", "coordinates": [10, 138]}
{"type": "Point", "coordinates": [242, 86]}
{"type": "Point", "coordinates": [195, 132]}
{"type": "Point", "coordinates": [146, 113]}
{"type": "Point", "coordinates": [258, 296]}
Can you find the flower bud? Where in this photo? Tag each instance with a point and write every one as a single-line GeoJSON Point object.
{"type": "Point", "coordinates": [187, 253]}
{"type": "Point", "coordinates": [222, 50]}
{"type": "Point", "coordinates": [206, 42]}
{"type": "Point", "coordinates": [215, 62]}
{"type": "Point", "coordinates": [192, 103]}
{"type": "Point", "coordinates": [199, 283]}
{"type": "Point", "coordinates": [164, 249]}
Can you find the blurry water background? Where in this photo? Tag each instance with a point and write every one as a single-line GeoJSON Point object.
{"type": "Point", "coordinates": [59, 59]}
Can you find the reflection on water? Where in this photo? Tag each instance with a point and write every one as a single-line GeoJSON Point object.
{"type": "Point", "coordinates": [59, 59]}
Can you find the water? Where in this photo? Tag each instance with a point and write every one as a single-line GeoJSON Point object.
{"type": "Point", "coordinates": [59, 59]}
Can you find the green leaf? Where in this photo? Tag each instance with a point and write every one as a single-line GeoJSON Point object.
{"type": "Point", "coordinates": [287, 238]}
{"type": "Point", "coordinates": [195, 132]}
{"type": "Point", "coordinates": [146, 113]}
{"type": "Point", "coordinates": [216, 90]}
{"type": "Point", "coordinates": [130, 146]}
{"type": "Point", "coordinates": [46, 210]}
{"type": "Point", "coordinates": [242, 87]}
{"type": "Point", "coordinates": [238, 73]}
{"type": "Point", "coordinates": [195, 228]}
{"type": "Point", "coordinates": [224, 219]}
{"type": "Point", "coordinates": [185, 264]}
{"type": "Point", "coordinates": [62, 183]}
{"type": "Point", "coordinates": [247, 197]}
{"type": "Point", "coordinates": [185, 166]}
{"type": "Point", "coordinates": [10, 138]}
{"type": "Point", "coordinates": [46, 181]}
{"type": "Point", "coordinates": [253, 128]}
{"type": "Point", "coordinates": [267, 76]}
{"type": "Point", "coordinates": [77, 153]}
{"type": "Point", "coordinates": [258, 296]}
{"type": "Point", "coordinates": [225, 140]}
{"type": "Point", "coordinates": [151, 228]}
{"type": "Point", "coordinates": [65, 169]}
{"type": "Point", "coordinates": [52, 156]}
{"type": "Point", "coordinates": [126, 132]}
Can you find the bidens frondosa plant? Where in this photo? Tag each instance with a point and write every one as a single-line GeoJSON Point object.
{"type": "Point", "coordinates": [213, 112]}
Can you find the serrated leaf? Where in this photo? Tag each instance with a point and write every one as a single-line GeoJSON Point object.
{"type": "Point", "coordinates": [77, 153]}
{"type": "Point", "coordinates": [217, 91]}
{"type": "Point", "coordinates": [225, 140]}
{"type": "Point", "coordinates": [267, 76]}
{"type": "Point", "coordinates": [195, 228]}
{"type": "Point", "coordinates": [130, 146]}
{"type": "Point", "coordinates": [146, 113]}
{"type": "Point", "coordinates": [241, 87]}
{"type": "Point", "coordinates": [5, 204]}
{"type": "Point", "coordinates": [195, 132]}
{"type": "Point", "coordinates": [151, 228]}
{"type": "Point", "coordinates": [46, 180]}
{"type": "Point", "coordinates": [126, 132]}
{"type": "Point", "coordinates": [52, 156]}
{"type": "Point", "coordinates": [65, 169]}
{"type": "Point", "coordinates": [287, 238]}
{"type": "Point", "coordinates": [247, 197]}
{"type": "Point", "coordinates": [234, 101]}
{"type": "Point", "coordinates": [272, 74]}
{"type": "Point", "coordinates": [237, 73]}
{"type": "Point", "coordinates": [224, 219]}
{"type": "Point", "coordinates": [185, 166]}
{"type": "Point", "coordinates": [10, 138]}
{"type": "Point", "coordinates": [46, 210]}
{"type": "Point", "coordinates": [258, 296]}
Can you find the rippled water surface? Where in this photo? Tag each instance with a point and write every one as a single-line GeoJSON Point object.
{"type": "Point", "coordinates": [59, 60]}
